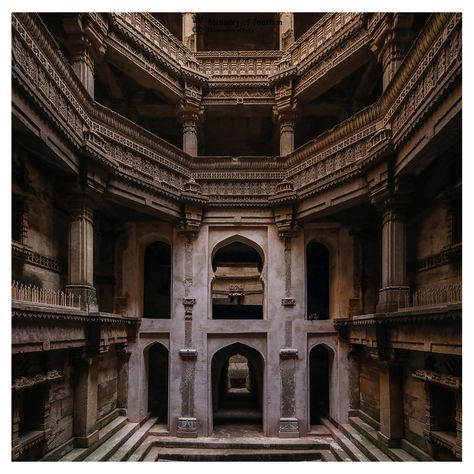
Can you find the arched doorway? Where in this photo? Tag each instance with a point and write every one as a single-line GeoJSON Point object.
{"type": "Point", "coordinates": [319, 379]}
{"type": "Point", "coordinates": [157, 281]}
{"type": "Point", "coordinates": [317, 281]}
{"type": "Point", "coordinates": [237, 290]}
{"type": "Point", "coordinates": [237, 388]}
{"type": "Point", "coordinates": [158, 382]}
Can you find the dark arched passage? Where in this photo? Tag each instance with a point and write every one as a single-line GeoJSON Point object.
{"type": "Point", "coordinates": [237, 386]}
{"type": "Point", "coordinates": [158, 382]}
{"type": "Point", "coordinates": [237, 290]}
{"type": "Point", "coordinates": [317, 281]}
{"type": "Point", "coordinates": [157, 281]}
{"type": "Point", "coordinates": [319, 373]}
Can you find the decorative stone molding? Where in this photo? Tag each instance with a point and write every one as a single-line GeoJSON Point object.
{"type": "Point", "coordinates": [188, 304]}
{"type": "Point", "coordinates": [188, 353]}
{"type": "Point", "coordinates": [28, 255]}
{"type": "Point", "coordinates": [187, 427]}
{"type": "Point", "coordinates": [288, 353]}
{"type": "Point", "coordinates": [28, 382]}
{"type": "Point", "coordinates": [191, 221]}
{"type": "Point", "coordinates": [445, 380]}
{"type": "Point", "coordinates": [289, 428]}
{"type": "Point", "coordinates": [288, 302]}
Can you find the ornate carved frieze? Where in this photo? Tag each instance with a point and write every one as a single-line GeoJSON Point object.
{"type": "Point", "coordinates": [187, 427]}
{"type": "Point", "coordinates": [28, 255]}
{"type": "Point", "coordinates": [445, 380]}
{"type": "Point", "coordinates": [28, 382]}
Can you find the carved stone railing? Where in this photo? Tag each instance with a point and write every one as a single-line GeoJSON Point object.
{"type": "Point", "coordinates": [149, 29]}
{"type": "Point", "coordinates": [133, 153]}
{"type": "Point", "coordinates": [440, 294]}
{"type": "Point", "coordinates": [44, 296]}
{"type": "Point", "coordinates": [238, 64]}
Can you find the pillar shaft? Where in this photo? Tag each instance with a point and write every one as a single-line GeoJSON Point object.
{"type": "Point", "coordinates": [394, 292]}
{"type": "Point", "coordinates": [83, 65]}
{"type": "Point", "coordinates": [286, 122]}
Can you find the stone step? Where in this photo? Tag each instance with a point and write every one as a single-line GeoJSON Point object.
{"type": "Point", "coordinates": [369, 433]}
{"type": "Point", "coordinates": [133, 442]}
{"type": "Point", "coordinates": [79, 454]}
{"type": "Point", "coordinates": [109, 447]}
{"type": "Point", "coordinates": [142, 449]}
{"type": "Point", "coordinates": [338, 452]}
{"type": "Point", "coordinates": [192, 454]}
{"type": "Point", "coordinates": [364, 444]}
{"type": "Point", "coordinates": [349, 447]}
{"type": "Point", "coordinates": [242, 443]}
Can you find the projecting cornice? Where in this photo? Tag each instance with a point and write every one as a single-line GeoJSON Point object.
{"type": "Point", "coordinates": [44, 80]}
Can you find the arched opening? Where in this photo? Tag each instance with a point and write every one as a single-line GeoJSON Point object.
{"type": "Point", "coordinates": [158, 382]}
{"type": "Point", "coordinates": [317, 281]}
{"type": "Point", "coordinates": [319, 373]}
{"type": "Point", "coordinates": [237, 389]}
{"type": "Point", "coordinates": [157, 281]}
{"type": "Point", "coordinates": [237, 290]}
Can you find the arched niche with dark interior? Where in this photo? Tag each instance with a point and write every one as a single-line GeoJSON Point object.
{"type": "Point", "coordinates": [237, 290]}
{"type": "Point", "coordinates": [157, 281]}
{"type": "Point", "coordinates": [317, 281]}
{"type": "Point", "coordinates": [237, 386]}
{"type": "Point", "coordinates": [158, 382]}
{"type": "Point", "coordinates": [319, 376]}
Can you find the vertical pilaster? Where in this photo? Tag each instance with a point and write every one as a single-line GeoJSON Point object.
{"type": "Point", "coordinates": [187, 422]}
{"type": "Point", "coordinates": [287, 30]}
{"type": "Point", "coordinates": [391, 403]}
{"type": "Point", "coordinates": [85, 400]}
{"type": "Point", "coordinates": [189, 31]}
{"type": "Point", "coordinates": [286, 121]}
{"type": "Point", "coordinates": [123, 356]}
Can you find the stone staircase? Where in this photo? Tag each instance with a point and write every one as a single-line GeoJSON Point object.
{"type": "Point", "coordinates": [358, 441]}
{"type": "Point", "coordinates": [121, 440]}
{"type": "Point", "coordinates": [116, 441]}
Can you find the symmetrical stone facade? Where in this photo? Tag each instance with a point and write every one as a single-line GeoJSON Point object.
{"type": "Point", "coordinates": [333, 268]}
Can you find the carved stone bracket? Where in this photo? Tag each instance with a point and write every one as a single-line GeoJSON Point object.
{"type": "Point", "coordinates": [288, 302]}
{"type": "Point", "coordinates": [288, 353]}
{"type": "Point", "coordinates": [187, 427]}
{"type": "Point", "coordinates": [188, 353]}
{"type": "Point", "coordinates": [191, 221]}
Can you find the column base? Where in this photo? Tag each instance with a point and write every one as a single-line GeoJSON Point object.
{"type": "Point", "coordinates": [187, 427]}
{"type": "Point", "coordinates": [393, 298]}
{"type": "Point", "coordinates": [86, 441]}
{"type": "Point", "coordinates": [289, 428]}
{"type": "Point", "coordinates": [88, 296]}
{"type": "Point", "coordinates": [389, 442]}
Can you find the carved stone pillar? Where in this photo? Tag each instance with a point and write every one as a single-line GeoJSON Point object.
{"type": "Point", "coordinates": [189, 117]}
{"type": "Point", "coordinates": [81, 253]}
{"type": "Point", "coordinates": [187, 422]}
{"type": "Point", "coordinates": [391, 403]}
{"type": "Point", "coordinates": [189, 31]}
{"type": "Point", "coordinates": [287, 30]}
{"type": "Point", "coordinates": [391, 41]}
{"type": "Point", "coordinates": [85, 40]}
{"type": "Point", "coordinates": [394, 293]}
{"type": "Point", "coordinates": [286, 121]}
{"type": "Point", "coordinates": [85, 400]}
